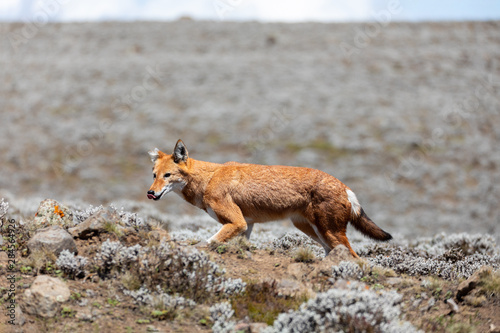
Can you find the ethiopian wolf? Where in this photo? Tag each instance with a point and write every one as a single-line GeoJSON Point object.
{"type": "Point", "coordinates": [238, 195]}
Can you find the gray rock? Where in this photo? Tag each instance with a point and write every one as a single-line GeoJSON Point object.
{"type": "Point", "coordinates": [45, 296]}
{"type": "Point", "coordinates": [430, 303]}
{"type": "Point", "coordinates": [293, 288]}
{"type": "Point", "coordinates": [95, 224]}
{"type": "Point", "coordinates": [242, 328]}
{"type": "Point", "coordinates": [257, 327]}
{"type": "Point", "coordinates": [14, 314]}
{"type": "Point", "coordinates": [453, 306]}
{"type": "Point", "coordinates": [297, 270]}
{"type": "Point", "coordinates": [288, 287]}
{"type": "Point", "coordinates": [20, 317]}
{"type": "Point", "coordinates": [54, 239]}
{"type": "Point", "coordinates": [340, 253]}
{"type": "Point", "coordinates": [85, 315]}
{"type": "Point", "coordinates": [393, 281]}
{"type": "Point", "coordinates": [50, 212]}
{"type": "Point", "coordinates": [159, 234]}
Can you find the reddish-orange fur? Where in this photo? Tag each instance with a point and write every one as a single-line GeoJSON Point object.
{"type": "Point", "coordinates": [238, 194]}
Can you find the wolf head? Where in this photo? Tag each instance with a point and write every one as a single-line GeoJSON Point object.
{"type": "Point", "coordinates": [168, 171]}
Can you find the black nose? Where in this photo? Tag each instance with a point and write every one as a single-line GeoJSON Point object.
{"type": "Point", "coordinates": [151, 192]}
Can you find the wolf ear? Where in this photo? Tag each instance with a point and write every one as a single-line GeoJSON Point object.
{"type": "Point", "coordinates": [180, 152]}
{"type": "Point", "coordinates": [154, 154]}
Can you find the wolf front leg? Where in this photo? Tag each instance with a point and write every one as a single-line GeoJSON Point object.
{"type": "Point", "coordinates": [229, 214]}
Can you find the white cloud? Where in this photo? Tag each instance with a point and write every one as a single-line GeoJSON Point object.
{"type": "Point", "coordinates": [9, 9]}
{"type": "Point", "coordinates": [90, 10]}
{"type": "Point", "coordinates": [262, 10]}
{"type": "Point", "coordinates": [310, 10]}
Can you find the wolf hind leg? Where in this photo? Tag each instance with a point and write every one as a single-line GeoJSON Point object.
{"type": "Point", "coordinates": [303, 225]}
{"type": "Point", "coordinates": [335, 238]}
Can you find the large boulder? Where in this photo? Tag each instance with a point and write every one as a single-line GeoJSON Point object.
{"type": "Point", "coordinates": [95, 224]}
{"type": "Point", "coordinates": [45, 296]}
{"type": "Point", "coordinates": [54, 239]}
{"type": "Point", "coordinates": [50, 212]}
{"type": "Point", "coordinates": [468, 286]}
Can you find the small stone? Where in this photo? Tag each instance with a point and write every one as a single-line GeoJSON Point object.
{"type": "Point", "coordinates": [288, 287]}
{"type": "Point", "coordinates": [296, 270]}
{"type": "Point", "coordinates": [90, 292]}
{"type": "Point", "coordinates": [83, 302]}
{"type": "Point", "coordinates": [494, 329]}
{"type": "Point", "coordinates": [53, 239]}
{"type": "Point", "coordinates": [431, 303]}
{"type": "Point", "coordinates": [242, 327]}
{"type": "Point", "coordinates": [45, 296]}
{"type": "Point", "coordinates": [340, 253]}
{"type": "Point", "coordinates": [159, 234]}
{"type": "Point", "coordinates": [394, 281]}
{"type": "Point", "coordinates": [257, 327]}
{"type": "Point", "coordinates": [85, 315]}
{"type": "Point", "coordinates": [248, 255]}
{"type": "Point", "coordinates": [416, 303]}
{"type": "Point", "coordinates": [293, 288]}
{"type": "Point", "coordinates": [453, 306]}
{"type": "Point", "coordinates": [19, 319]}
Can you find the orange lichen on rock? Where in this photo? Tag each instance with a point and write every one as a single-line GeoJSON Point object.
{"type": "Point", "coordinates": [58, 211]}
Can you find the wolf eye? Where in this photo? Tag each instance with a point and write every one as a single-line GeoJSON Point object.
{"type": "Point", "coordinates": [167, 175]}
{"type": "Point", "coordinates": [154, 175]}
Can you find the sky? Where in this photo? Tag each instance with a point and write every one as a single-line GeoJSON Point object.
{"type": "Point", "coordinates": [244, 10]}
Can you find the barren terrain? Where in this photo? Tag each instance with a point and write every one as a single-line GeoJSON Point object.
{"type": "Point", "coordinates": [407, 117]}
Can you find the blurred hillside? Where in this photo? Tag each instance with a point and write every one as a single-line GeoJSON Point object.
{"type": "Point", "coordinates": [407, 115]}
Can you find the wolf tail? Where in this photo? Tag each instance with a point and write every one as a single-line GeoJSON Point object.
{"type": "Point", "coordinates": [366, 226]}
{"type": "Point", "coordinates": [362, 222]}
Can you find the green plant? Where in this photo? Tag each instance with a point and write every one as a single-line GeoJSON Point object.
{"type": "Point", "coordinates": [112, 302]}
{"type": "Point", "coordinates": [113, 228]}
{"type": "Point", "coordinates": [76, 296]}
{"type": "Point", "coordinates": [67, 312]}
{"type": "Point", "coordinates": [437, 292]}
{"type": "Point", "coordinates": [167, 314]}
{"type": "Point", "coordinates": [25, 269]}
{"type": "Point", "coordinates": [221, 249]}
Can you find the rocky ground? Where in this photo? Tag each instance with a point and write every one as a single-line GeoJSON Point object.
{"type": "Point", "coordinates": [406, 114]}
{"type": "Point", "coordinates": [107, 269]}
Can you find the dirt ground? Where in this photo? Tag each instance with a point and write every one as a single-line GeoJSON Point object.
{"type": "Point", "coordinates": [98, 305]}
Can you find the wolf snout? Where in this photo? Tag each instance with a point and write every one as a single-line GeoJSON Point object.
{"type": "Point", "coordinates": [151, 195]}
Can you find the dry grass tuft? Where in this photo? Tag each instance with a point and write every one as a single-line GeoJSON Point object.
{"type": "Point", "coordinates": [262, 302]}
{"type": "Point", "coordinates": [304, 254]}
